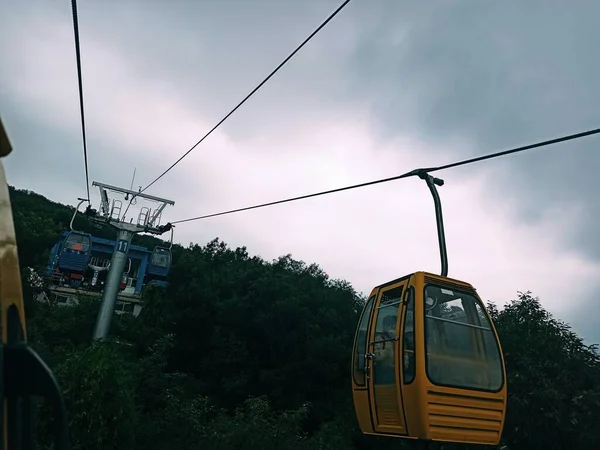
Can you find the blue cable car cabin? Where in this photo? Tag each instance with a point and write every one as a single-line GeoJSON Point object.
{"type": "Point", "coordinates": [75, 253]}
{"type": "Point", "coordinates": [160, 262]}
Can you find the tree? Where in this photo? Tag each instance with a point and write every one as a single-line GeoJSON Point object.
{"type": "Point", "coordinates": [553, 379]}
{"type": "Point", "coordinates": [98, 383]}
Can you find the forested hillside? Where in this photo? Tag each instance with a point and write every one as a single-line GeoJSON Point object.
{"type": "Point", "coordinates": [242, 353]}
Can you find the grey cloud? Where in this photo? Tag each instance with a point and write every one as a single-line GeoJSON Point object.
{"type": "Point", "coordinates": [499, 75]}
{"type": "Point", "coordinates": [489, 70]}
{"type": "Point", "coordinates": [37, 154]}
{"type": "Point", "coordinates": [585, 323]}
{"type": "Point", "coordinates": [50, 161]}
{"type": "Point", "coordinates": [230, 50]}
{"type": "Point", "coordinates": [215, 56]}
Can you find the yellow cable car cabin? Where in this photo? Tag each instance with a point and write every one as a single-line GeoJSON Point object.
{"type": "Point", "coordinates": [427, 363]}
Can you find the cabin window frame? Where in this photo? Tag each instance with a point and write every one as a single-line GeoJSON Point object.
{"type": "Point", "coordinates": [366, 315]}
{"type": "Point", "coordinates": [83, 238]}
{"type": "Point", "coordinates": [410, 296]}
{"type": "Point", "coordinates": [460, 292]}
{"type": "Point", "coordinates": [379, 329]}
{"type": "Point", "coordinates": [165, 253]}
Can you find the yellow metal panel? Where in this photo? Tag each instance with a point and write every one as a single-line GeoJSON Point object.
{"type": "Point", "coordinates": [385, 399]}
{"type": "Point", "coordinates": [11, 294]}
{"type": "Point", "coordinates": [10, 279]}
{"type": "Point", "coordinates": [361, 407]}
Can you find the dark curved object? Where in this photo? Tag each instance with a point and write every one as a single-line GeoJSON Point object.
{"type": "Point", "coordinates": [26, 375]}
{"type": "Point", "coordinates": [431, 183]}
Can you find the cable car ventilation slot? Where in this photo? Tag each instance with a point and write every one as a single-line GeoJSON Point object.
{"type": "Point", "coordinates": [447, 285]}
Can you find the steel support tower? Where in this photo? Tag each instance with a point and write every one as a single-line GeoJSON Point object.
{"type": "Point", "coordinates": [148, 221]}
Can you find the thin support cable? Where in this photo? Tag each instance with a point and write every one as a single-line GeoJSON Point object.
{"type": "Point", "coordinates": [79, 78]}
{"type": "Point", "coordinates": [252, 92]}
{"type": "Point", "coordinates": [412, 173]}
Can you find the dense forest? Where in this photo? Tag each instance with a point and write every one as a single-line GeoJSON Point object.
{"type": "Point", "coordinates": [243, 353]}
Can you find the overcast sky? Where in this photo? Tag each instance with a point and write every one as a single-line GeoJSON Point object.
{"type": "Point", "coordinates": [386, 87]}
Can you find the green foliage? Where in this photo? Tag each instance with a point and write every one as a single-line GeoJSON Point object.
{"type": "Point", "coordinates": [241, 353]}
{"type": "Point", "coordinates": [553, 378]}
{"type": "Point", "coordinates": [264, 329]}
{"type": "Point", "coordinates": [98, 384]}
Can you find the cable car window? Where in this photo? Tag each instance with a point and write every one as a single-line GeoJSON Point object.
{"type": "Point", "coordinates": [78, 242]}
{"type": "Point", "coordinates": [384, 370]}
{"type": "Point", "coordinates": [408, 342]}
{"type": "Point", "coordinates": [361, 344]}
{"type": "Point", "coordinates": [461, 347]}
{"type": "Point", "coordinates": [491, 350]}
{"type": "Point", "coordinates": [160, 258]}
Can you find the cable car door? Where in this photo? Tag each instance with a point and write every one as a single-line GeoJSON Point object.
{"type": "Point", "coordinates": [385, 395]}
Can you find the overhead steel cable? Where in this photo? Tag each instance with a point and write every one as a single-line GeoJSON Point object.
{"type": "Point", "coordinates": [252, 92]}
{"type": "Point", "coordinates": [412, 173]}
{"type": "Point", "coordinates": [78, 58]}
